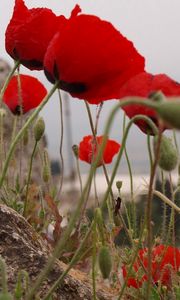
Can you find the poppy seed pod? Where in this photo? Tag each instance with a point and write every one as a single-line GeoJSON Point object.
{"type": "Point", "coordinates": [75, 150]}
{"type": "Point", "coordinates": [168, 156]}
{"type": "Point", "coordinates": [105, 262]}
{"type": "Point", "coordinates": [169, 112]}
{"type": "Point", "coordinates": [39, 129]}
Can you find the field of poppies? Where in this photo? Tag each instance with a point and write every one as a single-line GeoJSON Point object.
{"type": "Point", "coordinates": [116, 243]}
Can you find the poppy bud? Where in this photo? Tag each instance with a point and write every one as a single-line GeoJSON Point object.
{"type": "Point", "coordinates": [169, 111]}
{"type": "Point", "coordinates": [39, 129]}
{"type": "Point", "coordinates": [168, 156]}
{"type": "Point", "coordinates": [119, 185]}
{"type": "Point", "coordinates": [5, 296]}
{"type": "Point", "coordinates": [25, 138]}
{"type": "Point", "coordinates": [105, 262]}
{"type": "Point", "coordinates": [75, 150]}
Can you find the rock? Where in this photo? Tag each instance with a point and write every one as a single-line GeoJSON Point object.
{"type": "Point", "coordinates": [23, 249]}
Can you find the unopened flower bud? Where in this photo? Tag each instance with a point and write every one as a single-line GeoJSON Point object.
{"type": "Point", "coordinates": [157, 96]}
{"type": "Point", "coordinates": [119, 185]}
{"type": "Point", "coordinates": [169, 111]}
{"type": "Point", "coordinates": [168, 156]}
{"type": "Point", "coordinates": [75, 150]}
{"type": "Point", "coordinates": [105, 262]}
{"type": "Point", "coordinates": [39, 129]}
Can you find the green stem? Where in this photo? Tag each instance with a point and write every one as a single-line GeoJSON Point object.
{"type": "Point", "coordinates": [134, 119]}
{"type": "Point", "coordinates": [149, 216]}
{"type": "Point", "coordinates": [29, 178]}
{"type": "Point", "coordinates": [164, 222]}
{"type": "Point", "coordinates": [167, 201]}
{"type": "Point", "coordinates": [60, 245]}
{"type": "Point", "coordinates": [149, 150]}
{"type": "Point", "coordinates": [79, 174]}
{"type": "Point", "coordinates": [61, 143]}
{"type": "Point", "coordinates": [16, 65]}
{"type": "Point", "coordinates": [127, 159]}
{"type": "Point", "coordinates": [74, 260]}
{"type": "Point", "coordinates": [131, 182]}
{"type": "Point", "coordinates": [94, 261]}
{"type": "Point", "coordinates": [23, 129]}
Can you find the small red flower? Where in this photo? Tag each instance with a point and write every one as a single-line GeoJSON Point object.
{"type": "Point", "coordinates": [91, 59]}
{"type": "Point", "coordinates": [30, 92]}
{"type": "Point", "coordinates": [88, 148]}
{"type": "Point", "coordinates": [29, 33]}
{"type": "Point", "coordinates": [165, 264]}
{"type": "Point", "coordinates": [143, 85]}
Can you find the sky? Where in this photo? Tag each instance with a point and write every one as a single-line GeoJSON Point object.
{"type": "Point", "coordinates": [154, 28]}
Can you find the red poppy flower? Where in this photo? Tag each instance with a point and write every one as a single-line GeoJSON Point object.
{"type": "Point", "coordinates": [88, 148]}
{"type": "Point", "coordinates": [29, 33]}
{"type": "Point", "coordinates": [91, 59]}
{"type": "Point", "coordinates": [27, 95]}
{"type": "Point", "coordinates": [144, 85]}
{"type": "Point", "coordinates": [165, 264]}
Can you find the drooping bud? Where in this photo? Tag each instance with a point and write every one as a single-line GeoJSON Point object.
{"type": "Point", "coordinates": [39, 129]}
{"type": "Point", "coordinates": [169, 111]}
{"type": "Point", "coordinates": [75, 150]}
{"type": "Point", "coordinates": [105, 262]}
{"type": "Point", "coordinates": [168, 156]}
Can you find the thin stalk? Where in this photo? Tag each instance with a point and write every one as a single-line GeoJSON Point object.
{"type": "Point", "coordinates": [167, 201]}
{"type": "Point", "coordinates": [131, 181]}
{"type": "Point", "coordinates": [172, 216]}
{"type": "Point", "coordinates": [94, 261]}
{"type": "Point", "coordinates": [61, 143]}
{"type": "Point", "coordinates": [73, 261]}
{"type": "Point", "coordinates": [20, 103]}
{"type": "Point", "coordinates": [60, 245]}
{"type": "Point", "coordinates": [97, 117]}
{"type": "Point", "coordinates": [149, 150]}
{"type": "Point", "coordinates": [8, 78]}
{"type": "Point", "coordinates": [29, 178]}
{"type": "Point", "coordinates": [128, 161]}
{"type": "Point", "coordinates": [79, 174]}
{"type": "Point", "coordinates": [14, 128]}
{"type": "Point", "coordinates": [164, 223]}
{"type": "Point", "coordinates": [1, 141]}
{"type": "Point", "coordinates": [149, 216]}
{"type": "Point", "coordinates": [22, 130]}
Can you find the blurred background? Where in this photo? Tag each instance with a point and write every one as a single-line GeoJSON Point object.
{"type": "Point", "coordinates": [154, 28]}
